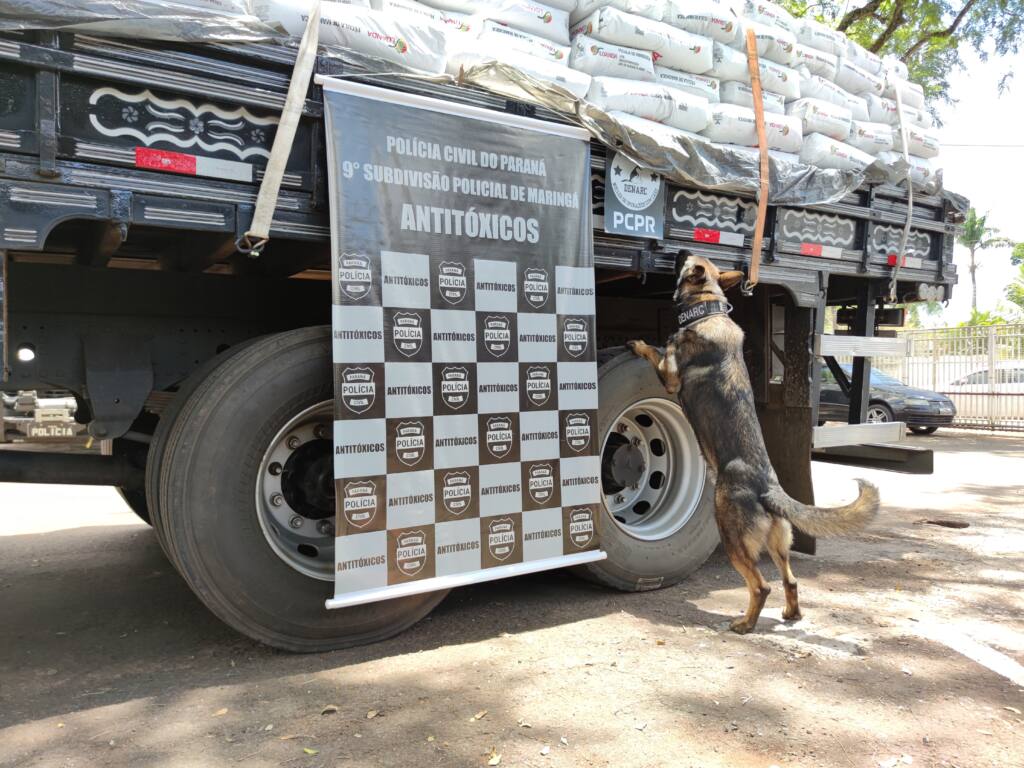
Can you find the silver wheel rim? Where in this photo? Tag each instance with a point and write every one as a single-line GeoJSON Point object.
{"type": "Point", "coordinates": [298, 532]}
{"type": "Point", "coordinates": [664, 460]}
{"type": "Point", "coordinates": [876, 415]}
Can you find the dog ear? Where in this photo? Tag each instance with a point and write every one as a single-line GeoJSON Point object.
{"type": "Point", "coordinates": [697, 274]}
{"type": "Point", "coordinates": [729, 279]}
{"type": "Point", "coordinates": [681, 258]}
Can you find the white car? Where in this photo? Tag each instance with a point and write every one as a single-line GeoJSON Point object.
{"type": "Point", "coordinates": [990, 395]}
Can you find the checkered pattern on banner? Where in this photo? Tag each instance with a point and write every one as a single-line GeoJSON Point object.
{"type": "Point", "coordinates": [466, 432]}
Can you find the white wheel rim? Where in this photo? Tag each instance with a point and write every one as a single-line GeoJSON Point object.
{"type": "Point", "coordinates": [303, 538]}
{"type": "Point", "coordinates": [877, 415]}
{"type": "Point", "coordinates": [662, 458]}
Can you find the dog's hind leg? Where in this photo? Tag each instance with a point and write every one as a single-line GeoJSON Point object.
{"type": "Point", "coordinates": [739, 555]}
{"type": "Point", "coordinates": [780, 538]}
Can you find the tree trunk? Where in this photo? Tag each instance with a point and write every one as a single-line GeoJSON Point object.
{"type": "Point", "coordinates": [974, 283]}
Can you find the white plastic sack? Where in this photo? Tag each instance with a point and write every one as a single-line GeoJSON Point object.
{"type": "Point", "coordinates": [825, 152]}
{"type": "Point", "coordinates": [672, 47]}
{"type": "Point", "coordinates": [407, 8]}
{"type": "Point", "coordinates": [821, 117]}
{"type": "Point", "coordinates": [893, 66]}
{"type": "Point", "coordinates": [731, 124]}
{"type": "Point", "coordinates": [769, 13]}
{"type": "Point", "coordinates": [702, 17]}
{"type": "Point", "coordinates": [727, 63]}
{"type": "Point", "coordinates": [817, 35]}
{"type": "Point", "coordinates": [871, 137]}
{"type": "Point", "coordinates": [773, 42]}
{"type": "Point", "coordinates": [605, 59]}
{"type": "Point", "coordinates": [817, 87]}
{"type": "Point", "coordinates": [689, 112]}
{"type": "Point", "coordinates": [783, 132]}
{"type": "Point", "coordinates": [698, 85]}
{"type": "Point", "coordinates": [659, 132]}
{"type": "Point", "coordinates": [920, 142]}
{"type": "Point", "coordinates": [410, 43]}
{"type": "Point", "coordinates": [743, 94]}
{"type": "Point", "coordinates": [858, 80]}
{"type": "Point", "coordinates": [754, 153]}
{"type": "Point", "coordinates": [576, 83]}
{"type": "Point", "coordinates": [780, 79]}
{"type": "Point", "coordinates": [523, 42]}
{"type": "Point", "coordinates": [649, 9]}
{"type": "Point", "coordinates": [863, 58]}
{"type": "Point", "coordinates": [652, 101]}
{"type": "Point", "coordinates": [882, 110]}
{"type": "Point", "coordinates": [912, 94]}
{"type": "Point", "coordinates": [528, 16]}
{"type": "Point", "coordinates": [817, 62]}
{"type": "Point", "coordinates": [858, 107]}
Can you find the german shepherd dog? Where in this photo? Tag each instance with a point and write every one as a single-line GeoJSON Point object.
{"type": "Point", "coordinates": [703, 363]}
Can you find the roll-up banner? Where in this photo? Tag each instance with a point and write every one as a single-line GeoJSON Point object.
{"type": "Point", "coordinates": [465, 374]}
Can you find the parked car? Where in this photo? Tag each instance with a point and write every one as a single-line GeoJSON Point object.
{"type": "Point", "coordinates": [923, 411]}
{"type": "Point", "coordinates": [981, 395]}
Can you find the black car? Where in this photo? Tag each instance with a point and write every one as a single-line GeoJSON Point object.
{"type": "Point", "coordinates": [923, 411]}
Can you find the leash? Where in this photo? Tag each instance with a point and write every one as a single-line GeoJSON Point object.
{"type": "Point", "coordinates": [694, 313]}
{"type": "Point", "coordinates": [762, 145]}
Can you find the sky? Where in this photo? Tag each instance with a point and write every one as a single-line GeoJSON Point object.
{"type": "Point", "coordinates": [991, 177]}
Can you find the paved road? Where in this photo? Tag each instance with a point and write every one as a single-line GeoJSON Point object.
{"type": "Point", "coordinates": [912, 645]}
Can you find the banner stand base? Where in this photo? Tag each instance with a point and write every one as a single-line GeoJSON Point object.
{"type": "Point", "coordinates": [462, 579]}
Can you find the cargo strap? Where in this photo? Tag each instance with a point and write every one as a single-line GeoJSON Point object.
{"type": "Point", "coordinates": [693, 313]}
{"type": "Point", "coordinates": [762, 144]}
{"type": "Point", "coordinates": [258, 234]}
{"type": "Point", "coordinates": [905, 237]}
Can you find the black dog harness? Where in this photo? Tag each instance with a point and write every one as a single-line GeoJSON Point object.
{"type": "Point", "coordinates": [694, 313]}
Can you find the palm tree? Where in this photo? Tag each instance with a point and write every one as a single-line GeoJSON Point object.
{"type": "Point", "coordinates": [976, 236]}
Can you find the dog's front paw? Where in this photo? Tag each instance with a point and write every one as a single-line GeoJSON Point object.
{"type": "Point", "coordinates": [636, 347]}
{"type": "Point", "coordinates": [741, 626]}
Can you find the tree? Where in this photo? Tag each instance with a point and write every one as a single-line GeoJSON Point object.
{"type": "Point", "coordinates": [977, 236]}
{"type": "Point", "coordinates": [1015, 290]}
{"type": "Point", "coordinates": [919, 308]}
{"type": "Point", "coordinates": [1017, 257]}
{"type": "Point", "coordinates": [989, 317]}
{"type": "Point", "coordinates": [925, 34]}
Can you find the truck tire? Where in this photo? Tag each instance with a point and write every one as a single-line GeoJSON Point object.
{"type": "Point", "coordinates": [136, 501]}
{"type": "Point", "coordinates": [658, 525]}
{"type": "Point", "coordinates": [258, 427]}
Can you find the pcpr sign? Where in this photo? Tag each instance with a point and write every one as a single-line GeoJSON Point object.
{"type": "Point", "coordinates": [634, 200]}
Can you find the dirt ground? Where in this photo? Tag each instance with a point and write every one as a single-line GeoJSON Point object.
{"type": "Point", "coordinates": [911, 651]}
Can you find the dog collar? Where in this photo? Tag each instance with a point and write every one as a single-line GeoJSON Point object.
{"type": "Point", "coordinates": [693, 313]}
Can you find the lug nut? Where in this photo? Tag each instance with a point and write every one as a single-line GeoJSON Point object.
{"type": "Point", "coordinates": [636, 442]}
{"type": "Point", "coordinates": [275, 469]}
{"type": "Point", "coordinates": [293, 442]}
{"type": "Point", "coordinates": [622, 428]}
{"type": "Point", "coordinates": [320, 431]}
{"type": "Point", "coordinates": [325, 527]}
{"type": "Point", "coordinates": [277, 499]}
{"type": "Point", "coordinates": [295, 522]}
{"type": "Point", "coordinates": [619, 498]}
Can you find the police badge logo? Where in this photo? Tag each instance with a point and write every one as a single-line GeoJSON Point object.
{"type": "Point", "coordinates": [354, 276]}
{"type": "Point", "coordinates": [577, 431]}
{"type": "Point", "coordinates": [359, 506]}
{"type": "Point", "coordinates": [499, 436]}
{"type": "Point", "coordinates": [536, 287]}
{"type": "Point", "coordinates": [538, 385]}
{"type": "Point", "coordinates": [501, 538]}
{"type": "Point", "coordinates": [411, 552]}
{"type": "Point", "coordinates": [407, 333]}
{"type": "Point", "coordinates": [581, 527]}
{"type": "Point", "coordinates": [358, 389]}
{"type": "Point", "coordinates": [455, 387]}
{"type": "Point", "coordinates": [497, 334]}
{"type": "Point", "coordinates": [541, 483]}
{"type": "Point", "coordinates": [451, 281]}
{"type": "Point", "coordinates": [457, 492]}
{"type": "Point", "coordinates": [410, 442]}
{"type": "Point", "coordinates": [575, 335]}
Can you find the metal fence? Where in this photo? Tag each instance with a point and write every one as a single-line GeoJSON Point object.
{"type": "Point", "coordinates": [981, 369]}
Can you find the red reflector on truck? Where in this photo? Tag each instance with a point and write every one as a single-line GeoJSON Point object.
{"type": "Point", "coordinates": [191, 165]}
{"type": "Point", "coordinates": [717, 237]}
{"type": "Point", "coordinates": [817, 249]}
{"type": "Point", "coordinates": [911, 262]}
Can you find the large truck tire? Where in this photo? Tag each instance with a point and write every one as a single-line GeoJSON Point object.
{"type": "Point", "coordinates": [246, 500]}
{"type": "Point", "coordinates": [658, 524]}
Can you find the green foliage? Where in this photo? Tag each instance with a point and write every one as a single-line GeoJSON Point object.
{"type": "Point", "coordinates": [1017, 257]}
{"type": "Point", "coordinates": [926, 34]}
{"type": "Point", "coordinates": [1015, 290]}
{"type": "Point", "coordinates": [918, 309]}
{"type": "Point", "coordinates": [989, 317]}
{"type": "Point", "coordinates": [977, 236]}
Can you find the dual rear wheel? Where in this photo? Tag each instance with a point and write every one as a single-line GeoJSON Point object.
{"type": "Point", "coordinates": [240, 491]}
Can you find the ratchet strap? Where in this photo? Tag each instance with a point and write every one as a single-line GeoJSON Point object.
{"type": "Point", "coordinates": [762, 144]}
{"type": "Point", "coordinates": [905, 237]}
{"type": "Point", "coordinates": [258, 234]}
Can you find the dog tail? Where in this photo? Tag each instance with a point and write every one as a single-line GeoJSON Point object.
{"type": "Point", "coordinates": [825, 521]}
